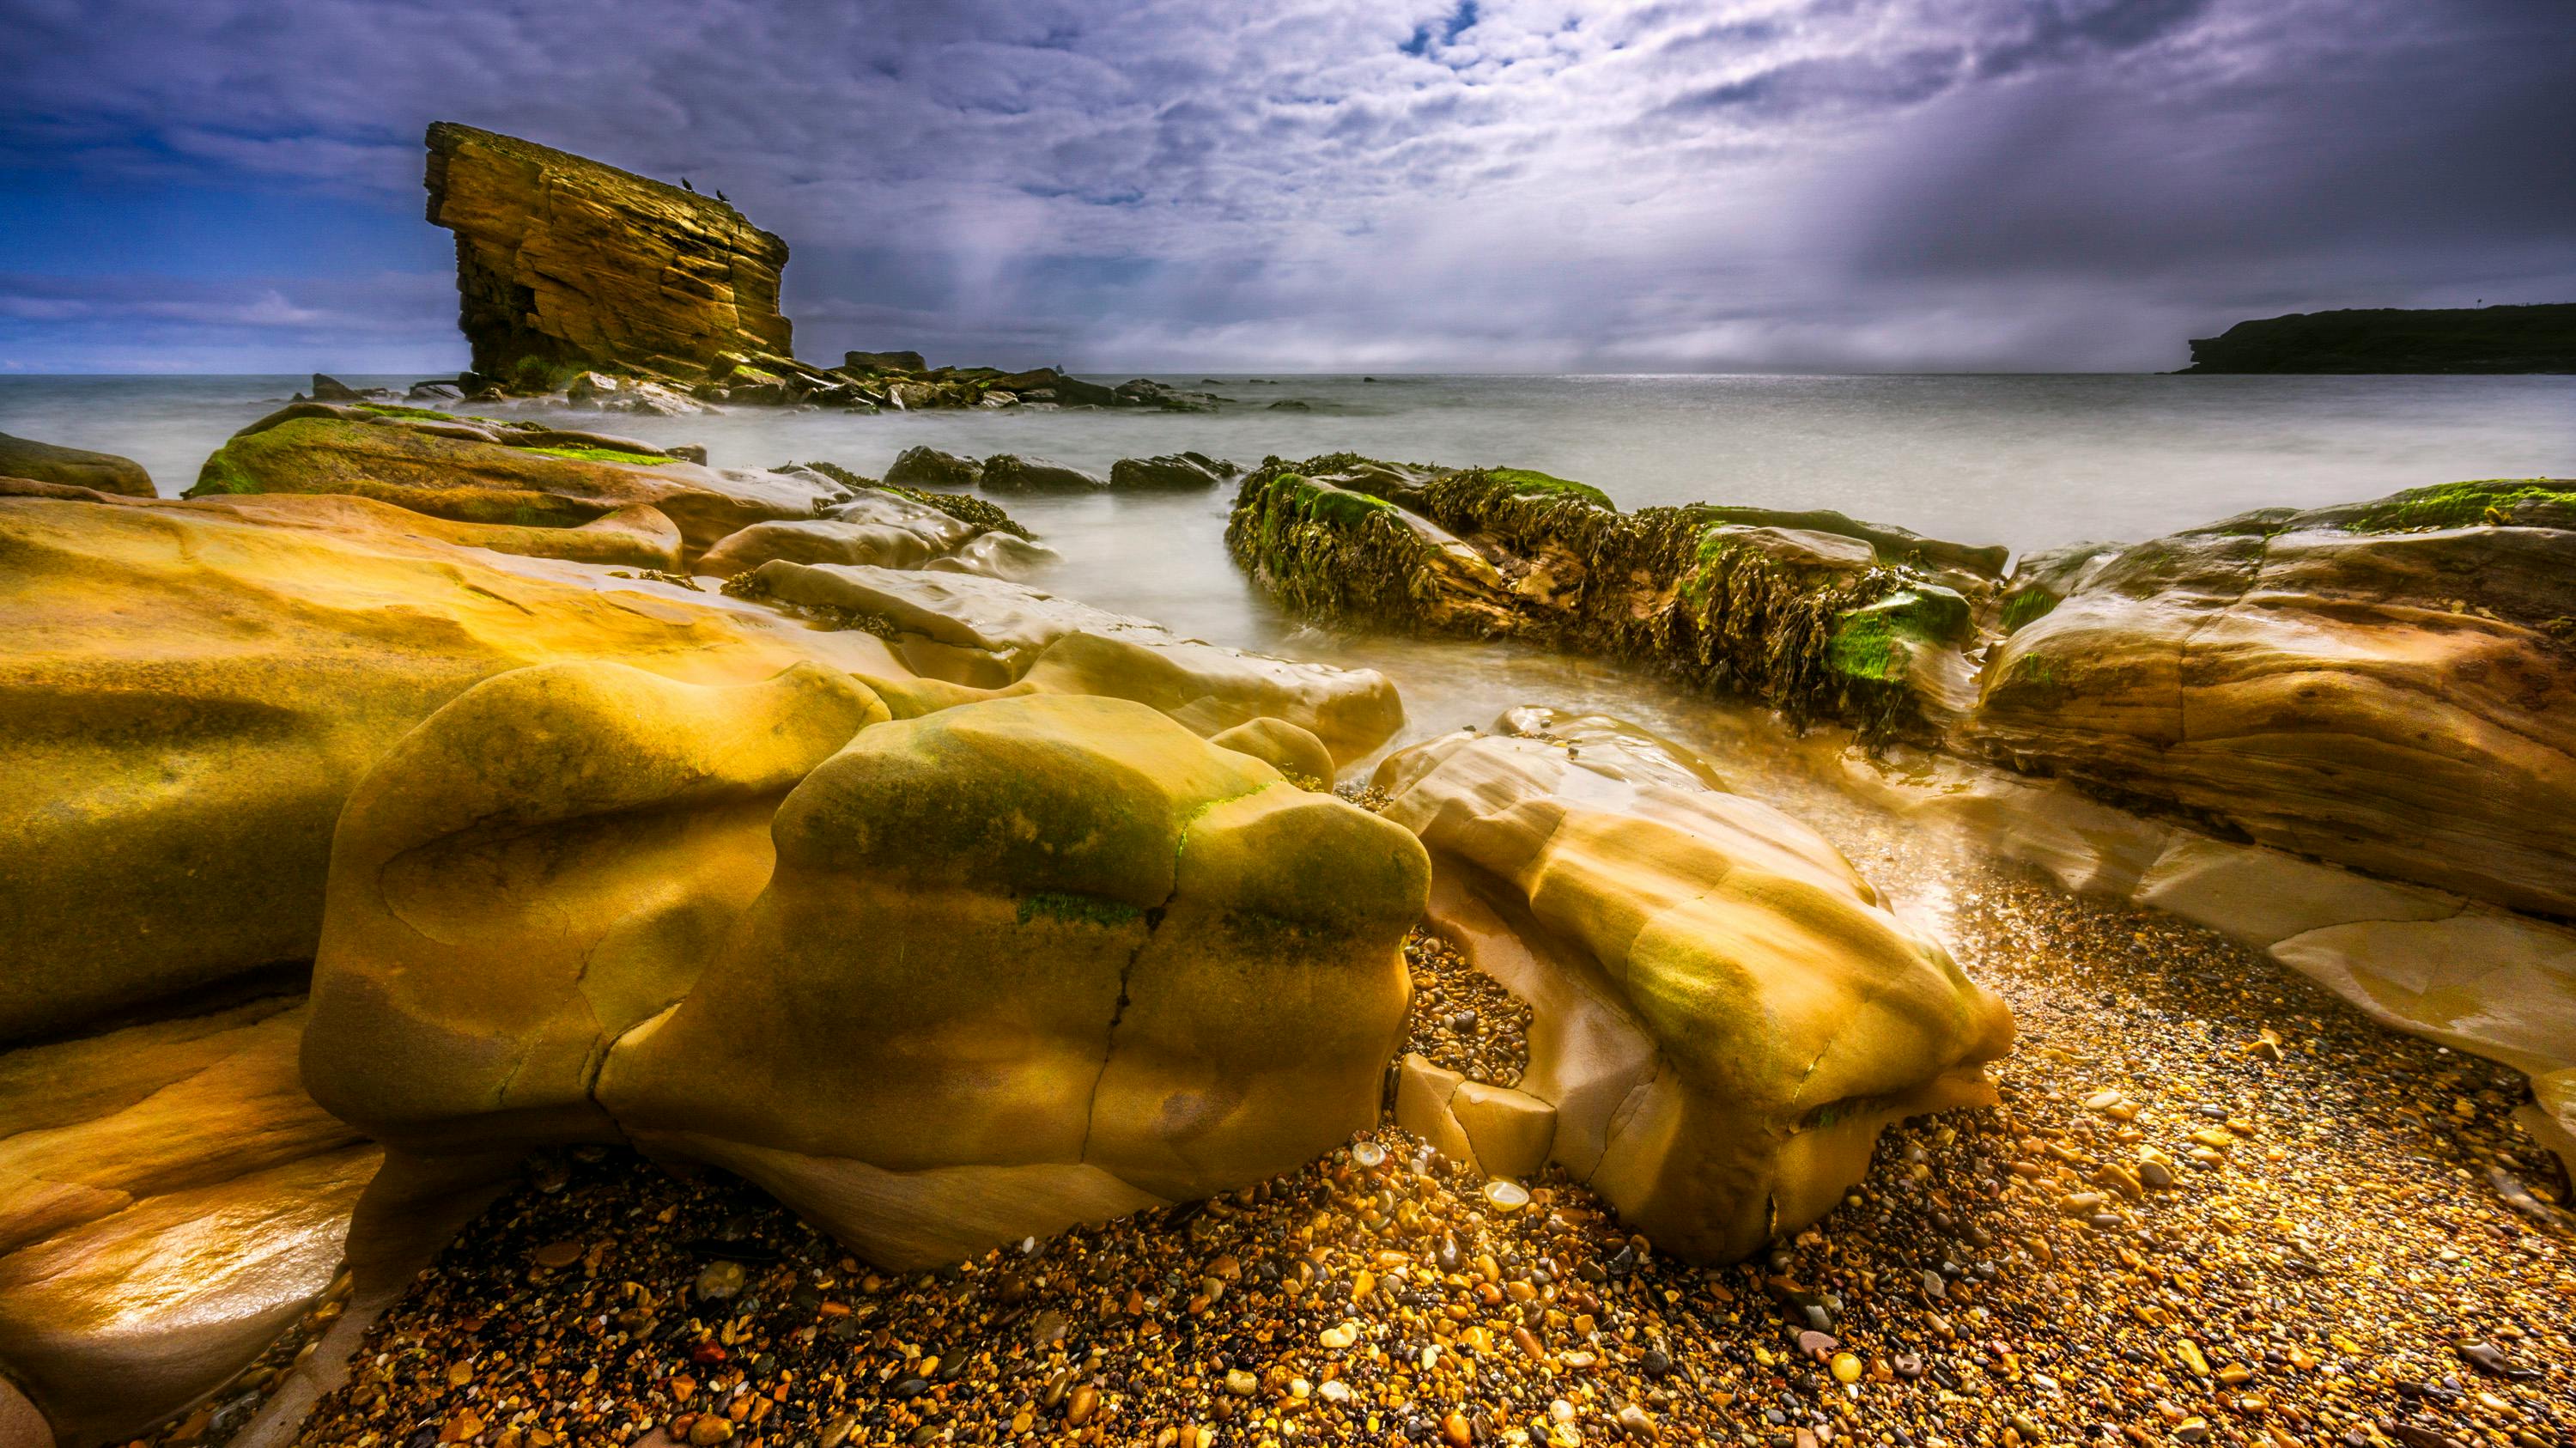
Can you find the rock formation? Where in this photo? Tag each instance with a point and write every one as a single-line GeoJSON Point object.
{"type": "Point", "coordinates": [1725, 1016]}
{"type": "Point", "coordinates": [564, 264]}
{"type": "Point", "coordinates": [2387, 685]}
{"type": "Point", "coordinates": [2386, 339]}
{"type": "Point", "coordinates": [1811, 612]}
{"type": "Point", "coordinates": [44, 462]}
{"type": "Point", "coordinates": [1018, 963]}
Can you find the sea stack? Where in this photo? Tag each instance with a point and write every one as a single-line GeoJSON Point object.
{"type": "Point", "coordinates": [564, 264]}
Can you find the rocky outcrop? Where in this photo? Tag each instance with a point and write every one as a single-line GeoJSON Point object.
{"type": "Point", "coordinates": [2387, 685]}
{"type": "Point", "coordinates": [1015, 964]}
{"type": "Point", "coordinates": [1810, 612]}
{"type": "Point", "coordinates": [175, 1202]}
{"type": "Point", "coordinates": [990, 634]}
{"type": "Point", "coordinates": [546, 862]}
{"type": "Point", "coordinates": [564, 263]}
{"type": "Point", "coordinates": [191, 689]}
{"type": "Point", "coordinates": [2386, 339]}
{"type": "Point", "coordinates": [1011, 473]}
{"type": "Point", "coordinates": [928, 467]}
{"type": "Point", "coordinates": [487, 472]}
{"type": "Point", "coordinates": [1724, 1015]}
{"type": "Point", "coordinates": [43, 462]}
{"type": "Point", "coordinates": [1170, 473]}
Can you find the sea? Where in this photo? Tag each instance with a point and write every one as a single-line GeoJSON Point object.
{"type": "Point", "coordinates": [2027, 461]}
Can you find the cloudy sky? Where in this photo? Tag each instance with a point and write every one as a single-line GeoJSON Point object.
{"type": "Point", "coordinates": [1486, 185]}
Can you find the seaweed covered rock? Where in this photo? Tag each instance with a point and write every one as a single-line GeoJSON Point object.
{"type": "Point", "coordinates": [1724, 1014]}
{"type": "Point", "coordinates": [1170, 473]}
{"type": "Point", "coordinates": [1030, 962]}
{"type": "Point", "coordinates": [139, 1269]}
{"type": "Point", "coordinates": [188, 692]}
{"type": "Point", "coordinates": [1011, 473]}
{"type": "Point", "coordinates": [2388, 685]}
{"type": "Point", "coordinates": [989, 633]}
{"type": "Point", "coordinates": [45, 462]}
{"type": "Point", "coordinates": [1809, 612]}
{"type": "Point", "coordinates": [549, 859]}
{"type": "Point", "coordinates": [563, 263]}
{"type": "Point", "coordinates": [928, 467]}
{"type": "Point", "coordinates": [482, 472]}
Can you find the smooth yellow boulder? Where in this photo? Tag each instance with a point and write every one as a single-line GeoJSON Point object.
{"type": "Point", "coordinates": [172, 1200]}
{"type": "Point", "coordinates": [1033, 960]}
{"type": "Point", "coordinates": [1294, 752]}
{"type": "Point", "coordinates": [550, 858]}
{"type": "Point", "coordinates": [1724, 1016]}
{"type": "Point", "coordinates": [187, 695]}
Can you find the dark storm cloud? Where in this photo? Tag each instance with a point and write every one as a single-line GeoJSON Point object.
{"type": "Point", "coordinates": [1505, 183]}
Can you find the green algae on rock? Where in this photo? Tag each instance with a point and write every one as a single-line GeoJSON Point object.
{"type": "Point", "coordinates": [1750, 601]}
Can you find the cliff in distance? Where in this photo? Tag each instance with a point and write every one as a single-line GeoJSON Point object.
{"type": "Point", "coordinates": [564, 264]}
{"type": "Point", "coordinates": [2387, 339]}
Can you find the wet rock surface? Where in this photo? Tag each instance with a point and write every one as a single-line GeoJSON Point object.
{"type": "Point", "coordinates": [45, 462]}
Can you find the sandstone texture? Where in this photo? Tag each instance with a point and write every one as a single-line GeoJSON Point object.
{"type": "Point", "coordinates": [193, 689]}
{"type": "Point", "coordinates": [476, 471]}
{"type": "Point", "coordinates": [989, 633]}
{"type": "Point", "coordinates": [1724, 1016]}
{"type": "Point", "coordinates": [564, 263]}
{"type": "Point", "coordinates": [174, 1201]}
{"type": "Point", "coordinates": [44, 462]}
{"type": "Point", "coordinates": [2387, 685]}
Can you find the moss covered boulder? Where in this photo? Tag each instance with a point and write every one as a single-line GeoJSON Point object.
{"type": "Point", "coordinates": [1032, 961]}
{"type": "Point", "coordinates": [1725, 1015]}
{"type": "Point", "coordinates": [498, 473]}
{"type": "Point", "coordinates": [188, 692]}
{"type": "Point", "coordinates": [549, 859]}
{"type": "Point", "coordinates": [2388, 685]}
{"type": "Point", "coordinates": [45, 462]}
{"type": "Point", "coordinates": [1809, 612]}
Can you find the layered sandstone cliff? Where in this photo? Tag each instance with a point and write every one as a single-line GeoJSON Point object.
{"type": "Point", "coordinates": [563, 263]}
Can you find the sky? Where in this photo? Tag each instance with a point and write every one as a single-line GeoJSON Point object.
{"type": "Point", "coordinates": [1316, 185]}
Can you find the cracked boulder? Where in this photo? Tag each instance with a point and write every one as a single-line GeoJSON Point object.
{"type": "Point", "coordinates": [2387, 685]}
{"type": "Point", "coordinates": [1029, 962]}
{"type": "Point", "coordinates": [546, 861]}
{"type": "Point", "coordinates": [1724, 1013]}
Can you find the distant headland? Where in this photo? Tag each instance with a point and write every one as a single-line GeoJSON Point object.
{"type": "Point", "coordinates": [2390, 339]}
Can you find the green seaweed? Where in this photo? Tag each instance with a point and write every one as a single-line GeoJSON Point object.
{"type": "Point", "coordinates": [2027, 605]}
{"type": "Point", "coordinates": [2459, 505]}
{"type": "Point", "coordinates": [598, 455]}
{"type": "Point", "coordinates": [1525, 481]}
{"type": "Point", "coordinates": [393, 409]}
{"type": "Point", "coordinates": [1071, 909]}
{"type": "Point", "coordinates": [224, 473]}
{"type": "Point", "coordinates": [1867, 646]}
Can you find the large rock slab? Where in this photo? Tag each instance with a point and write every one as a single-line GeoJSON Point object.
{"type": "Point", "coordinates": [46, 462]}
{"type": "Point", "coordinates": [500, 473]}
{"type": "Point", "coordinates": [990, 633]}
{"type": "Point", "coordinates": [563, 263]}
{"type": "Point", "coordinates": [186, 697]}
{"type": "Point", "coordinates": [1057, 949]}
{"type": "Point", "coordinates": [175, 1201]}
{"type": "Point", "coordinates": [2389, 686]}
{"type": "Point", "coordinates": [1724, 1015]}
{"type": "Point", "coordinates": [546, 861]}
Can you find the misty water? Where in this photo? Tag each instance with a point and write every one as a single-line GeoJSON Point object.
{"type": "Point", "coordinates": [2031, 462]}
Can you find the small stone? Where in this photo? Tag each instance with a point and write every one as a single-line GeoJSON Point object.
{"type": "Point", "coordinates": [1506, 1196]}
{"type": "Point", "coordinates": [709, 1430]}
{"type": "Point", "coordinates": [720, 1280]}
{"type": "Point", "coordinates": [1079, 1408]}
{"type": "Point", "coordinates": [555, 1255]}
{"type": "Point", "coordinates": [1368, 1155]}
{"type": "Point", "coordinates": [2155, 1174]}
{"type": "Point", "coordinates": [836, 1429]}
{"type": "Point", "coordinates": [1846, 1368]}
{"type": "Point", "coordinates": [1340, 1336]}
{"type": "Point", "coordinates": [1335, 1391]}
{"type": "Point", "coordinates": [1241, 1383]}
{"type": "Point", "coordinates": [1635, 1422]}
{"type": "Point", "coordinates": [1459, 1432]}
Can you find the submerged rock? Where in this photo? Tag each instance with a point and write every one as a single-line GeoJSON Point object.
{"type": "Point", "coordinates": [1173, 472]}
{"type": "Point", "coordinates": [1725, 1015]}
{"type": "Point", "coordinates": [1011, 473]}
{"type": "Point", "coordinates": [928, 467]}
{"type": "Point", "coordinates": [44, 462]}
{"type": "Point", "coordinates": [563, 263]}
{"type": "Point", "coordinates": [2387, 685]}
{"type": "Point", "coordinates": [479, 472]}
